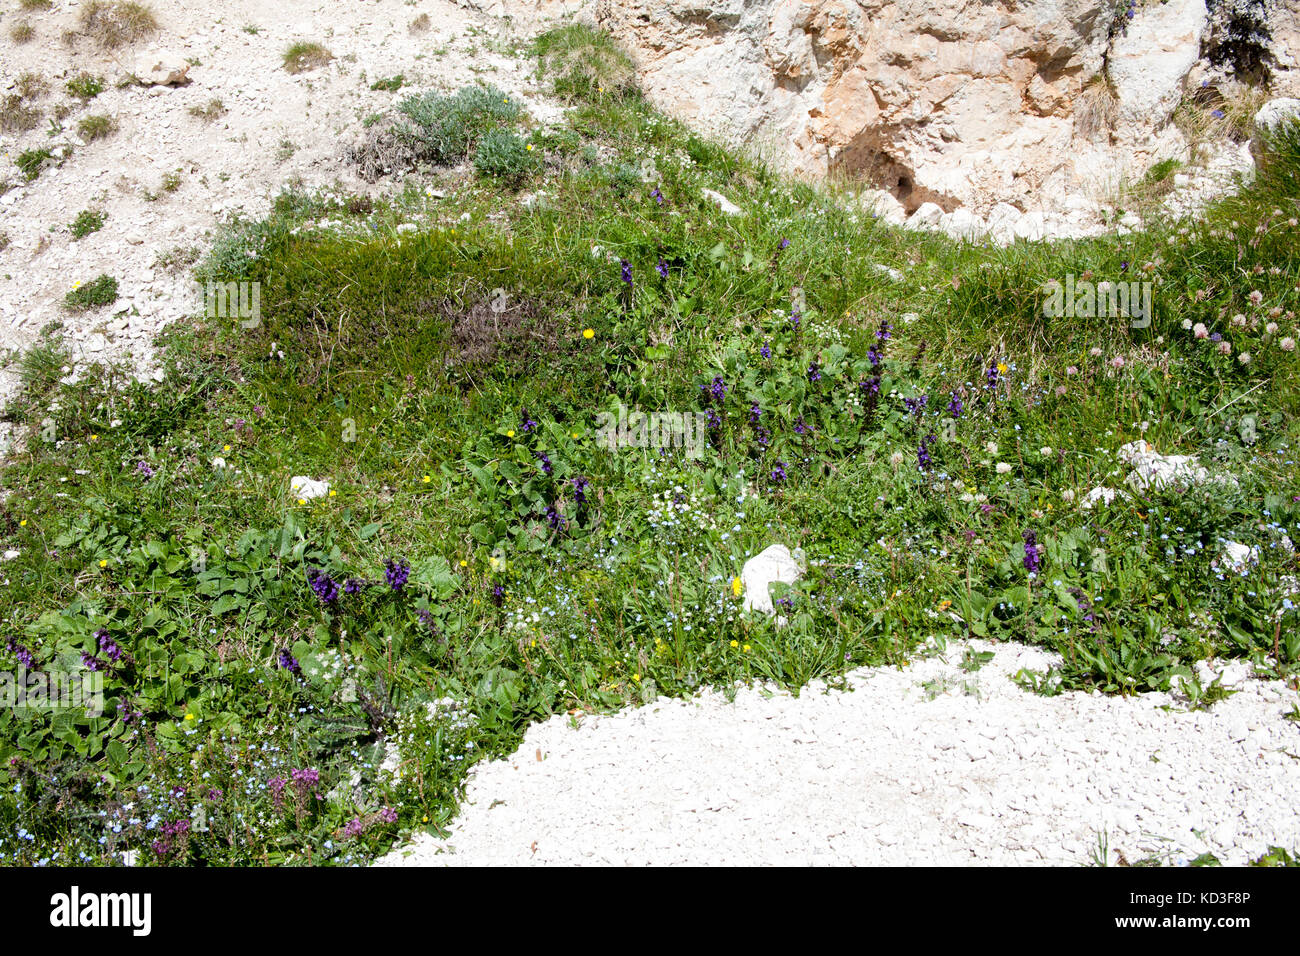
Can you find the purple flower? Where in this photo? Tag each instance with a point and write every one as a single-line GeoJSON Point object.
{"type": "Point", "coordinates": [353, 828]}
{"type": "Point", "coordinates": [991, 377]}
{"type": "Point", "coordinates": [627, 272]}
{"type": "Point", "coordinates": [388, 815]}
{"type": "Point", "coordinates": [22, 653]}
{"type": "Point", "coordinates": [580, 486]}
{"type": "Point", "coordinates": [1123, 266]}
{"type": "Point", "coordinates": [711, 417]}
{"type": "Point", "coordinates": [814, 373]}
{"type": "Point", "coordinates": [955, 406]}
{"type": "Point", "coordinates": [554, 518]}
{"type": "Point", "coordinates": [755, 413]}
{"type": "Point", "coordinates": [143, 468]}
{"type": "Point", "coordinates": [795, 319]}
{"type": "Point", "coordinates": [546, 465]}
{"type": "Point", "coordinates": [353, 586]}
{"type": "Point", "coordinates": [527, 425]}
{"type": "Point", "coordinates": [91, 663]}
{"type": "Point", "coordinates": [426, 618]}
{"type": "Point", "coordinates": [1033, 553]}
{"type": "Point", "coordinates": [801, 426]}
{"type": "Point", "coordinates": [763, 436]}
{"type": "Point", "coordinates": [1217, 114]}
{"type": "Point", "coordinates": [657, 196]}
{"type": "Point", "coordinates": [287, 661]}
{"type": "Point", "coordinates": [498, 595]}
{"type": "Point", "coordinates": [870, 386]}
{"type": "Point", "coordinates": [106, 644]}
{"type": "Point", "coordinates": [766, 351]}
{"type": "Point", "coordinates": [915, 406]}
{"type": "Point", "coordinates": [784, 243]}
{"type": "Point", "coordinates": [923, 460]}
{"type": "Point", "coordinates": [883, 333]}
{"type": "Point", "coordinates": [874, 356]}
{"type": "Point", "coordinates": [662, 269]}
{"type": "Point", "coordinates": [327, 591]}
{"type": "Point", "coordinates": [396, 573]}
{"type": "Point", "coordinates": [778, 472]}
{"type": "Point", "coordinates": [1216, 337]}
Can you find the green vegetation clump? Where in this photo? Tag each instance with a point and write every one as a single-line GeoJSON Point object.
{"type": "Point", "coordinates": [31, 161]}
{"type": "Point", "coordinates": [585, 64]}
{"type": "Point", "coordinates": [98, 292]}
{"type": "Point", "coordinates": [117, 23]}
{"type": "Point", "coordinates": [87, 221]}
{"type": "Point", "coordinates": [504, 156]}
{"type": "Point", "coordinates": [506, 537]}
{"type": "Point", "coordinates": [85, 86]}
{"type": "Point", "coordinates": [91, 128]}
{"type": "Point", "coordinates": [306, 55]}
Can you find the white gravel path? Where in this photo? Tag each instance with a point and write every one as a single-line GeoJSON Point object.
{"type": "Point", "coordinates": [927, 764]}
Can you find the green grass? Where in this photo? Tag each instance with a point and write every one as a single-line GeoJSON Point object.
{"type": "Point", "coordinates": [31, 161]}
{"type": "Point", "coordinates": [117, 23]}
{"type": "Point", "coordinates": [91, 128]}
{"type": "Point", "coordinates": [85, 86]}
{"type": "Point", "coordinates": [98, 292]}
{"type": "Point", "coordinates": [87, 221]}
{"type": "Point", "coordinates": [426, 373]}
{"type": "Point", "coordinates": [305, 55]}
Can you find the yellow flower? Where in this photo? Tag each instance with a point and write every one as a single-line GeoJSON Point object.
{"type": "Point", "coordinates": [737, 586]}
{"type": "Point", "coordinates": [425, 818]}
{"type": "Point", "coordinates": [302, 501]}
{"type": "Point", "coordinates": [103, 564]}
{"type": "Point", "coordinates": [637, 678]}
{"type": "Point", "coordinates": [735, 643]}
{"type": "Point", "coordinates": [944, 605]}
{"type": "Point", "coordinates": [23, 523]}
{"type": "Point", "coordinates": [588, 333]}
{"type": "Point", "coordinates": [575, 435]}
{"type": "Point", "coordinates": [530, 147]}
{"type": "Point", "coordinates": [426, 479]}
{"type": "Point", "coordinates": [746, 648]}
{"type": "Point", "coordinates": [333, 492]}
{"type": "Point", "coordinates": [225, 448]}
{"type": "Point", "coordinates": [1002, 368]}
{"type": "Point", "coordinates": [94, 438]}
{"type": "Point", "coordinates": [464, 564]}
{"type": "Point", "coordinates": [189, 716]}
{"type": "Point", "coordinates": [510, 433]}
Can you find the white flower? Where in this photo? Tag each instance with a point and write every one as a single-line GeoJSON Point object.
{"type": "Point", "coordinates": [991, 448]}
{"type": "Point", "coordinates": [1045, 450]}
{"type": "Point", "coordinates": [1244, 358]}
{"type": "Point", "coordinates": [1067, 495]}
{"type": "Point", "coordinates": [218, 463]}
{"type": "Point", "coordinates": [1287, 344]}
{"type": "Point", "coordinates": [1187, 323]}
{"type": "Point", "coordinates": [1003, 468]}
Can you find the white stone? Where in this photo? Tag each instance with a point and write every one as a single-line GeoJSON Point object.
{"type": "Point", "coordinates": [927, 216]}
{"type": "Point", "coordinates": [307, 488]}
{"type": "Point", "coordinates": [728, 207]}
{"type": "Point", "coordinates": [161, 68]}
{"type": "Point", "coordinates": [774, 564]}
{"type": "Point", "coordinates": [1150, 59]}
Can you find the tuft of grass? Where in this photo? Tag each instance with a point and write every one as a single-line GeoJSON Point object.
{"type": "Point", "coordinates": [36, 4]}
{"type": "Point", "coordinates": [91, 128]}
{"type": "Point", "coordinates": [4, 241]}
{"type": "Point", "coordinates": [1097, 110]}
{"type": "Point", "coordinates": [98, 292]}
{"type": "Point", "coordinates": [116, 23]}
{"type": "Point", "coordinates": [585, 64]}
{"type": "Point", "coordinates": [32, 161]}
{"type": "Point", "coordinates": [85, 86]}
{"type": "Point", "coordinates": [31, 85]}
{"type": "Point", "coordinates": [16, 116]}
{"type": "Point", "coordinates": [209, 111]}
{"type": "Point", "coordinates": [504, 156]}
{"type": "Point", "coordinates": [419, 25]}
{"type": "Point", "coordinates": [306, 55]}
{"type": "Point", "coordinates": [22, 33]}
{"type": "Point", "coordinates": [392, 84]}
{"type": "Point", "coordinates": [87, 221]}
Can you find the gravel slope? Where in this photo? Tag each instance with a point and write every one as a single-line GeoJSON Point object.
{"type": "Point", "coordinates": [927, 764]}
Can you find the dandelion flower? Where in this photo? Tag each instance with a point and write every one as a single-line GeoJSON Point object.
{"type": "Point", "coordinates": [588, 333]}
{"type": "Point", "coordinates": [426, 479]}
{"type": "Point", "coordinates": [103, 564]}
{"type": "Point", "coordinates": [735, 643]}
{"type": "Point", "coordinates": [510, 433]}
{"type": "Point", "coordinates": [737, 586]}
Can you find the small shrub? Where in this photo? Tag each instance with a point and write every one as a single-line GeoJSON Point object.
{"type": "Point", "coordinates": [32, 85]}
{"type": "Point", "coordinates": [98, 292]}
{"type": "Point", "coordinates": [419, 25]}
{"type": "Point", "coordinates": [16, 116]}
{"type": "Point", "coordinates": [585, 64]}
{"type": "Point", "coordinates": [209, 111]}
{"type": "Point", "coordinates": [392, 84]}
{"type": "Point", "coordinates": [171, 182]}
{"type": "Point", "coordinates": [306, 55]}
{"type": "Point", "coordinates": [22, 33]}
{"type": "Point", "coordinates": [85, 86]}
{"type": "Point", "coordinates": [445, 128]}
{"type": "Point", "coordinates": [87, 221]}
{"type": "Point", "coordinates": [503, 155]}
{"type": "Point", "coordinates": [91, 128]}
{"type": "Point", "coordinates": [116, 24]}
{"type": "Point", "coordinates": [36, 4]}
{"type": "Point", "coordinates": [31, 161]}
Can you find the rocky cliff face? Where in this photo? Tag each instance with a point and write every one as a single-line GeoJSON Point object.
{"type": "Point", "coordinates": [963, 103]}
